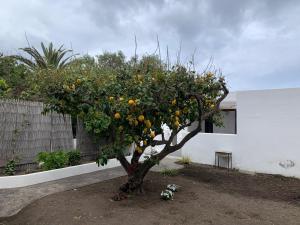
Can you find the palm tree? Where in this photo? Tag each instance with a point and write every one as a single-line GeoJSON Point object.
{"type": "Point", "coordinates": [49, 58]}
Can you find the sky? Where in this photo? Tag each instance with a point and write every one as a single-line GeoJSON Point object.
{"type": "Point", "coordinates": [255, 43]}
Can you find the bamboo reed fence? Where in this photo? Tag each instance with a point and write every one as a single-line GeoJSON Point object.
{"type": "Point", "coordinates": [25, 131]}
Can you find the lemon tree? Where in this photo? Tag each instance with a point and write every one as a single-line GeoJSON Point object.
{"type": "Point", "coordinates": [131, 101]}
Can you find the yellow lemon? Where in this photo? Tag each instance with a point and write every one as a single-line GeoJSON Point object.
{"type": "Point", "coordinates": [67, 88]}
{"type": "Point", "coordinates": [174, 102]}
{"type": "Point", "coordinates": [131, 102]}
{"type": "Point", "coordinates": [176, 123]}
{"type": "Point", "coordinates": [141, 118]}
{"type": "Point", "coordinates": [78, 81]}
{"type": "Point", "coordinates": [148, 123]}
{"type": "Point", "coordinates": [121, 98]}
{"type": "Point", "coordinates": [111, 98]}
{"type": "Point", "coordinates": [212, 106]}
{"type": "Point", "coordinates": [140, 77]}
{"type": "Point", "coordinates": [177, 113]}
{"type": "Point", "coordinates": [152, 134]}
{"type": "Point", "coordinates": [139, 150]}
{"type": "Point", "coordinates": [117, 116]}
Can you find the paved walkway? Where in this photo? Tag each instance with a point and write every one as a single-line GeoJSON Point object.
{"type": "Point", "coordinates": [13, 200]}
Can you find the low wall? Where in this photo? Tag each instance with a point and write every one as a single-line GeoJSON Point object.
{"type": "Point", "coordinates": [45, 176]}
{"type": "Point", "coordinates": [202, 148]}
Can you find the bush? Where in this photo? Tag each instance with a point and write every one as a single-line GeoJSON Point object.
{"type": "Point", "coordinates": [52, 160]}
{"type": "Point", "coordinates": [10, 168]}
{"type": "Point", "coordinates": [185, 160]}
{"type": "Point", "coordinates": [58, 159]}
{"type": "Point", "coordinates": [169, 172]}
{"type": "Point", "coordinates": [3, 88]}
{"type": "Point", "coordinates": [73, 158]}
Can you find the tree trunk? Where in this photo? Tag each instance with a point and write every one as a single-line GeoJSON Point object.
{"type": "Point", "coordinates": [136, 178]}
{"type": "Point", "coordinates": [134, 184]}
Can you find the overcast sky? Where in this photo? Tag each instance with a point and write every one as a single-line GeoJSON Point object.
{"type": "Point", "coordinates": [255, 43]}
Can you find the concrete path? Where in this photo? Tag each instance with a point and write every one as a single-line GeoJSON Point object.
{"type": "Point", "coordinates": [13, 200]}
{"type": "Point", "coordinates": [167, 163]}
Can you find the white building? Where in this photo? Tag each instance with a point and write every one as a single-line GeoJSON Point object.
{"type": "Point", "coordinates": [261, 129]}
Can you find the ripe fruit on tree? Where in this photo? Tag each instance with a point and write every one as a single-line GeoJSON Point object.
{"type": "Point", "coordinates": [139, 149]}
{"type": "Point", "coordinates": [117, 116]}
{"type": "Point", "coordinates": [131, 102]}
{"type": "Point", "coordinates": [141, 118]}
{"type": "Point", "coordinates": [174, 102]}
{"type": "Point", "coordinates": [148, 123]}
{"type": "Point", "coordinates": [152, 134]}
{"type": "Point", "coordinates": [78, 81]}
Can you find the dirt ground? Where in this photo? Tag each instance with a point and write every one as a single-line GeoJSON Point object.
{"type": "Point", "coordinates": [207, 196]}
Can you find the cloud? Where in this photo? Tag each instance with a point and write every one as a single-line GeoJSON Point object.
{"type": "Point", "coordinates": [255, 43]}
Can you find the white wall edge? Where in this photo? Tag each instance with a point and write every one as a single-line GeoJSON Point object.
{"type": "Point", "coordinates": [51, 175]}
{"type": "Point", "coordinates": [173, 157]}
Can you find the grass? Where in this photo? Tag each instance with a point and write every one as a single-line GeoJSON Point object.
{"type": "Point", "coordinates": [169, 172]}
{"type": "Point", "coordinates": [185, 160]}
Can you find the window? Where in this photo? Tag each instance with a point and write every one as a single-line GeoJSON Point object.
{"type": "Point", "coordinates": [209, 127]}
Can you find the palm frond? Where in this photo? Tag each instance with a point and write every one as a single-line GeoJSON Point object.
{"type": "Point", "coordinates": [50, 57]}
{"type": "Point", "coordinates": [25, 61]}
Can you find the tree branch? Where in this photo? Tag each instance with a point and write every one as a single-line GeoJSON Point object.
{"type": "Point", "coordinates": [168, 148]}
{"type": "Point", "coordinates": [158, 142]}
{"type": "Point", "coordinates": [217, 106]}
{"type": "Point", "coordinates": [125, 164]}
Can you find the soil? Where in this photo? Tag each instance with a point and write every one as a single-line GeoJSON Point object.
{"type": "Point", "coordinates": [206, 196]}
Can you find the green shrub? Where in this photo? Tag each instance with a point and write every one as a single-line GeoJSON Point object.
{"type": "Point", "coordinates": [52, 160]}
{"type": "Point", "coordinates": [185, 160]}
{"type": "Point", "coordinates": [3, 88]}
{"type": "Point", "coordinates": [73, 158]}
{"type": "Point", "coordinates": [10, 168]}
{"type": "Point", "coordinates": [169, 172]}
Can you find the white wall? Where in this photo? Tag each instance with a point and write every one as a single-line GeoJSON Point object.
{"type": "Point", "coordinates": [268, 134]}
{"type": "Point", "coordinates": [268, 130]}
{"type": "Point", "coordinates": [203, 146]}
